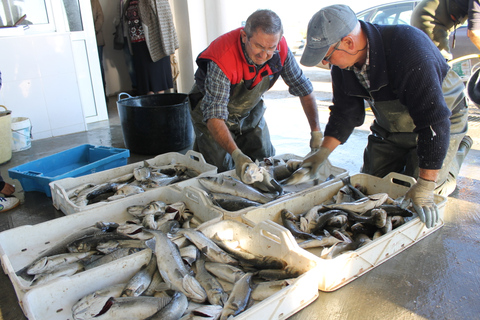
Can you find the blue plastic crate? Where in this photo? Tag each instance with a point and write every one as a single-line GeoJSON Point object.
{"type": "Point", "coordinates": [75, 162]}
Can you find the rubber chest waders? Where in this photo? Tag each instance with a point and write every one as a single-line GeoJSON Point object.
{"type": "Point", "coordinates": [392, 144]}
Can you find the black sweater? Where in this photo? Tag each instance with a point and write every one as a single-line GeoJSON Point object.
{"type": "Point", "coordinates": [413, 73]}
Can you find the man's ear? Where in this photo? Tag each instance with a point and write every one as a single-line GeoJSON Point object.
{"type": "Point", "coordinates": [243, 34]}
{"type": "Point", "coordinates": [349, 42]}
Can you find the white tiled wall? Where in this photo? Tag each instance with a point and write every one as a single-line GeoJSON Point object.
{"type": "Point", "coordinates": [40, 83]}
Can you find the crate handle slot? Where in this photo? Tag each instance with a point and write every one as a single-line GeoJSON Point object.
{"type": "Point", "coordinates": [33, 173]}
{"type": "Point", "coordinates": [196, 195]}
{"type": "Point", "coordinates": [282, 235]}
{"type": "Point", "coordinates": [197, 156]}
{"type": "Point", "coordinates": [395, 177]}
{"type": "Point", "coordinates": [271, 236]}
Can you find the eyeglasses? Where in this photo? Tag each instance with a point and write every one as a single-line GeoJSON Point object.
{"type": "Point", "coordinates": [327, 58]}
{"type": "Point", "coordinates": [270, 52]}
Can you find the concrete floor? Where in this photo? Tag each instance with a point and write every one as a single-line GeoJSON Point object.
{"type": "Point", "coordinates": [437, 278]}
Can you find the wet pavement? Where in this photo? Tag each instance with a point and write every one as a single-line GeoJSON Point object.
{"type": "Point", "coordinates": [437, 278]}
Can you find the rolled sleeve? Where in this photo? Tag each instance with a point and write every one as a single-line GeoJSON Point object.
{"type": "Point", "coordinates": [298, 84]}
{"type": "Point", "coordinates": [216, 95]}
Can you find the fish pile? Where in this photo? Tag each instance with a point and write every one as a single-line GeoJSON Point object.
{"type": "Point", "coordinates": [105, 242]}
{"type": "Point", "coordinates": [205, 278]}
{"type": "Point", "coordinates": [348, 221]}
{"type": "Point", "coordinates": [140, 180]}
{"type": "Point", "coordinates": [231, 194]}
{"type": "Point", "coordinates": [188, 274]}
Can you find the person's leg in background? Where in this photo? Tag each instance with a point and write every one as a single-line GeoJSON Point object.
{"type": "Point", "coordinates": [130, 67]}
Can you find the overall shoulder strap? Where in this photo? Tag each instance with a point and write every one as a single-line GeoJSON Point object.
{"type": "Point", "coordinates": [387, 32]}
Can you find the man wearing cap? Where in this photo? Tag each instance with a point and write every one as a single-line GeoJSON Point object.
{"type": "Point", "coordinates": [418, 102]}
{"type": "Point", "coordinates": [233, 73]}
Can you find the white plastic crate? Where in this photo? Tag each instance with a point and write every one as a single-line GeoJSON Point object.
{"type": "Point", "coordinates": [192, 160]}
{"type": "Point", "coordinates": [268, 238]}
{"type": "Point", "coordinates": [337, 272]}
{"type": "Point", "coordinates": [290, 191]}
{"type": "Point", "coordinates": [54, 301]}
{"type": "Point", "coordinates": [21, 246]}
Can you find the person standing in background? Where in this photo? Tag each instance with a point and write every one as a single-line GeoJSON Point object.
{"type": "Point", "coordinates": [152, 38]}
{"type": "Point", "coordinates": [438, 18]}
{"type": "Point", "coordinates": [127, 55]}
{"type": "Point", "coordinates": [98, 23]}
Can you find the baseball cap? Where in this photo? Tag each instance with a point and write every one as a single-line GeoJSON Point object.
{"type": "Point", "coordinates": [327, 26]}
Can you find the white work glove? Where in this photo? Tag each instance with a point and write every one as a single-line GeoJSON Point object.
{"type": "Point", "coordinates": [315, 140]}
{"type": "Point", "coordinates": [421, 196]}
{"type": "Point", "coordinates": [241, 163]}
{"type": "Point", "coordinates": [316, 160]}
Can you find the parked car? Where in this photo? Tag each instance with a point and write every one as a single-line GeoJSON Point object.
{"type": "Point", "coordinates": [400, 12]}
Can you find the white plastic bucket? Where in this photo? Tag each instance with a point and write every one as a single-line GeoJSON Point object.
{"type": "Point", "coordinates": [21, 134]}
{"type": "Point", "coordinates": [5, 135]}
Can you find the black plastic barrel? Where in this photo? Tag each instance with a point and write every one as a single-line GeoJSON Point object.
{"type": "Point", "coordinates": [155, 124]}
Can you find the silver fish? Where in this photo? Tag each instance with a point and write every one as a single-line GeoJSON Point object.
{"type": "Point", "coordinates": [115, 255]}
{"type": "Point", "coordinates": [49, 264]}
{"type": "Point", "coordinates": [238, 299]}
{"type": "Point", "coordinates": [388, 225]}
{"type": "Point", "coordinates": [157, 284]}
{"type": "Point", "coordinates": [141, 280]}
{"type": "Point", "coordinates": [300, 175]}
{"type": "Point", "coordinates": [63, 271]}
{"type": "Point", "coordinates": [279, 274]}
{"type": "Point", "coordinates": [208, 247]}
{"type": "Point", "coordinates": [215, 293]}
{"type": "Point", "coordinates": [149, 221]}
{"type": "Point", "coordinates": [189, 254]}
{"type": "Point", "coordinates": [135, 210]}
{"type": "Point", "coordinates": [230, 202]}
{"type": "Point", "coordinates": [173, 310]}
{"type": "Point", "coordinates": [74, 192]}
{"type": "Point", "coordinates": [123, 179]}
{"type": "Point", "coordinates": [362, 205]}
{"type": "Point", "coordinates": [90, 242]}
{"type": "Point", "coordinates": [224, 271]}
{"type": "Point", "coordinates": [155, 207]}
{"type": "Point", "coordinates": [112, 245]}
{"type": "Point", "coordinates": [264, 290]}
{"type": "Point", "coordinates": [308, 220]}
{"type": "Point", "coordinates": [315, 243]}
{"type": "Point", "coordinates": [163, 180]}
{"type": "Point", "coordinates": [142, 173]}
{"type": "Point", "coordinates": [125, 191]}
{"type": "Point", "coordinates": [58, 247]}
{"type": "Point", "coordinates": [172, 268]}
{"type": "Point", "coordinates": [288, 220]}
{"type": "Point", "coordinates": [179, 207]}
{"type": "Point", "coordinates": [170, 226]}
{"type": "Point", "coordinates": [248, 258]}
{"type": "Point", "coordinates": [202, 312]}
{"type": "Point", "coordinates": [230, 185]}
{"type": "Point", "coordinates": [123, 308]}
{"type": "Point", "coordinates": [82, 306]}
{"type": "Point", "coordinates": [134, 231]}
